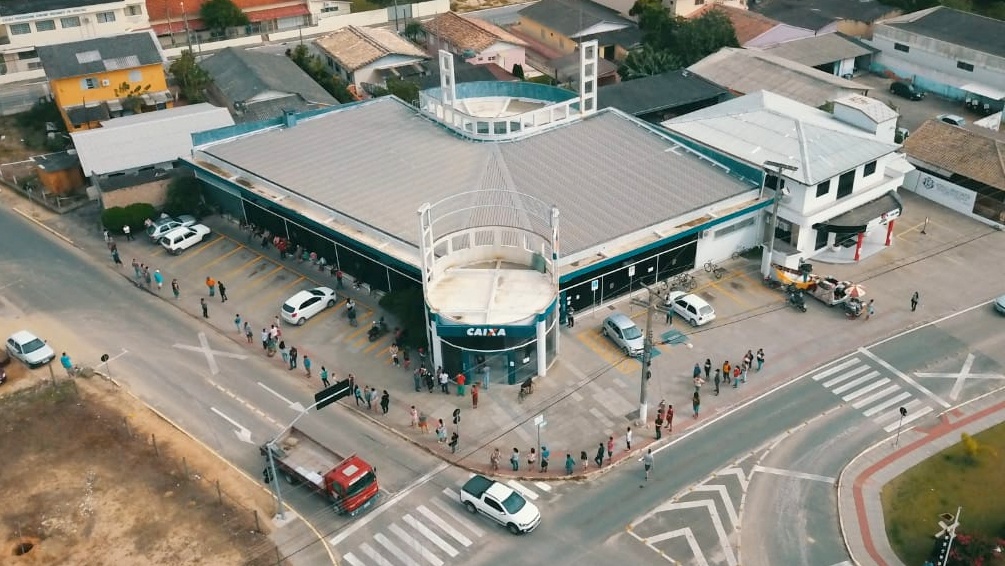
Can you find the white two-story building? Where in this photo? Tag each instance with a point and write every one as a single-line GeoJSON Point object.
{"type": "Point", "coordinates": [839, 172]}
{"type": "Point", "coordinates": [27, 24]}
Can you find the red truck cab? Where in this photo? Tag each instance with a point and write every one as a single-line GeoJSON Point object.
{"type": "Point", "coordinates": [352, 485]}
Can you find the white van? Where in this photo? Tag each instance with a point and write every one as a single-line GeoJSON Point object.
{"type": "Point", "coordinates": [185, 237]}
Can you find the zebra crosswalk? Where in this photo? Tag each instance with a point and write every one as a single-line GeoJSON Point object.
{"type": "Point", "coordinates": [876, 395]}
{"type": "Point", "coordinates": [433, 532]}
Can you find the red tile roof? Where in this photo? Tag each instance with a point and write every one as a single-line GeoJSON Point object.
{"type": "Point", "coordinates": [162, 10]}
{"type": "Point", "coordinates": [276, 13]}
{"type": "Point", "coordinates": [746, 24]}
{"type": "Point", "coordinates": [177, 26]}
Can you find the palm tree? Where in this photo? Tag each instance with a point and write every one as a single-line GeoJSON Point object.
{"type": "Point", "coordinates": [414, 30]}
{"type": "Point", "coordinates": [645, 62]}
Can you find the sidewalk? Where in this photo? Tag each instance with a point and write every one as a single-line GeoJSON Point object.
{"type": "Point", "coordinates": [860, 508]}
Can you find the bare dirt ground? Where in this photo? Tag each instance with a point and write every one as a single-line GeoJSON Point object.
{"type": "Point", "coordinates": [92, 476]}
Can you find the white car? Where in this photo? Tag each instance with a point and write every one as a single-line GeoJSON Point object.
{"type": "Point", "coordinates": [952, 119]}
{"type": "Point", "coordinates": [30, 349]}
{"type": "Point", "coordinates": [161, 227]}
{"type": "Point", "coordinates": [305, 304]}
{"type": "Point", "coordinates": [180, 239]}
{"type": "Point", "coordinates": [691, 308]}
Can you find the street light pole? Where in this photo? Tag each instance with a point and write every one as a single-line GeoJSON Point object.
{"type": "Point", "coordinates": [780, 191]}
{"type": "Point", "coordinates": [903, 413]}
{"type": "Point", "coordinates": [647, 350]}
{"type": "Point", "coordinates": [188, 33]}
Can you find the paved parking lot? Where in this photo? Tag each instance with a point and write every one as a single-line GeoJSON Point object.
{"type": "Point", "coordinates": [914, 112]}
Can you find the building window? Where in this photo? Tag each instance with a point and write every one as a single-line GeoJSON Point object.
{"type": "Point", "coordinates": [823, 188]}
{"type": "Point", "coordinates": [45, 25]}
{"type": "Point", "coordinates": [726, 230]}
{"type": "Point", "coordinates": [328, 9]}
{"type": "Point", "coordinates": [965, 66]}
{"type": "Point", "coordinates": [135, 76]}
{"type": "Point", "coordinates": [870, 168]}
{"type": "Point", "coordinates": [25, 55]}
{"type": "Point", "coordinates": [71, 22]}
{"type": "Point", "coordinates": [105, 17]}
{"type": "Point", "coordinates": [902, 47]}
{"type": "Point", "coordinates": [19, 29]}
{"type": "Point", "coordinates": [845, 184]}
{"type": "Point", "coordinates": [89, 83]}
{"type": "Point", "coordinates": [699, 2]}
{"type": "Point", "coordinates": [134, 10]}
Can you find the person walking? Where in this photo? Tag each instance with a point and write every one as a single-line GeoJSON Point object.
{"type": "Point", "coordinates": [147, 278]}
{"type": "Point", "coordinates": [494, 460]}
{"type": "Point", "coordinates": [283, 351]}
{"type": "Point", "coordinates": [237, 322]}
{"type": "Point", "coordinates": [116, 258]}
{"type": "Point", "coordinates": [205, 308]}
{"type": "Point", "coordinates": [570, 465]}
{"type": "Point", "coordinates": [393, 350]}
{"type": "Point", "coordinates": [599, 458]}
{"type": "Point", "coordinates": [696, 403]}
{"type": "Point", "coordinates": [67, 364]}
{"type": "Point", "coordinates": [307, 364]}
{"type": "Point", "coordinates": [175, 288]}
{"type": "Point", "coordinates": [136, 269]}
{"type": "Point", "coordinates": [429, 378]}
{"type": "Point", "coordinates": [211, 284]}
{"type": "Point", "coordinates": [266, 336]}
{"type": "Point", "coordinates": [324, 377]}
{"type": "Point", "coordinates": [570, 319]}
{"type": "Point", "coordinates": [338, 278]}
{"type": "Point", "coordinates": [584, 459]}
{"type": "Point", "coordinates": [444, 381]}
{"type": "Point", "coordinates": [158, 279]}
{"type": "Point", "coordinates": [628, 439]}
{"type": "Point", "coordinates": [545, 457]}
{"type": "Point", "coordinates": [460, 384]}
{"type": "Point", "coordinates": [385, 402]}
{"type": "Point", "coordinates": [647, 462]}
{"type": "Point", "coordinates": [708, 368]}
{"type": "Point", "coordinates": [610, 448]}
{"type": "Point", "coordinates": [670, 419]}
{"type": "Point", "coordinates": [293, 357]}
{"type": "Point", "coordinates": [659, 425]}
{"type": "Point", "coordinates": [717, 378]}
{"type": "Point", "coordinates": [128, 232]}
{"type": "Point", "coordinates": [914, 301]}
{"type": "Point", "coordinates": [248, 334]}
{"type": "Point", "coordinates": [760, 358]}
{"type": "Point", "coordinates": [474, 396]}
{"type": "Point", "coordinates": [223, 291]}
{"type": "Point", "coordinates": [870, 309]}
{"type": "Point", "coordinates": [514, 459]}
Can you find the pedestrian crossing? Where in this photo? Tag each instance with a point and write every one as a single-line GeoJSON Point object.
{"type": "Point", "coordinates": [435, 532]}
{"type": "Point", "coordinates": [877, 396]}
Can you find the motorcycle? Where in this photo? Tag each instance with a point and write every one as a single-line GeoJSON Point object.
{"type": "Point", "coordinates": [796, 298]}
{"type": "Point", "coordinates": [378, 329]}
{"type": "Point", "coordinates": [3, 376]}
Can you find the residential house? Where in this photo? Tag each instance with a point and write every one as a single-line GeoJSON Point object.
{"type": "Point", "coordinates": [660, 97]}
{"type": "Point", "coordinates": [824, 16]}
{"type": "Point", "coordinates": [676, 8]}
{"type": "Point", "coordinates": [954, 54]}
{"type": "Point", "coordinates": [840, 199]}
{"type": "Point", "coordinates": [833, 53]}
{"type": "Point", "coordinates": [564, 24]}
{"type": "Point", "coordinates": [475, 41]}
{"type": "Point", "coordinates": [97, 79]}
{"type": "Point", "coordinates": [26, 25]}
{"type": "Point", "coordinates": [959, 168]}
{"type": "Point", "coordinates": [321, 9]}
{"type": "Point", "coordinates": [744, 71]}
{"type": "Point", "coordinates": [370, 55]}
{"type": "Point", "coordinates": [753, 29]}
{"type": "Point", "coordinates": [135, 156]}
{"type": "Point", "coordinates": [180, 23]}
{"type": "Point", "coordinates": [255, 85]}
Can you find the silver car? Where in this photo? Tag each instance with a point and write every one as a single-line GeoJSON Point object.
{"type": "Point", "coordinates": [623, 332]}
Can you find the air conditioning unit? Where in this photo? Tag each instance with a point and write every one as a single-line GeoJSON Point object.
{"type": "Point", "coordinates": [704, 234]}
{"type": "Point", "coordinates": [105, 82]}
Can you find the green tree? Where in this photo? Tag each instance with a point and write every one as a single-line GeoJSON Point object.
{"type": "Point", "coordinates": [646, 61]}
{"type": "Point", "coordinates": [414, 31]}
{"type": "Point", "coordinates": [688, 40]}
{"type": "Point", "coordinates": [184, 196]}
{"type": "Point", "coordinates": [222, 14]}
{"type": "Point", "coordinates": [315, 68]}
{"type": "Point", "coordinates": [133, 95]}
{"type": "Point", "coordinates": [192, 78]}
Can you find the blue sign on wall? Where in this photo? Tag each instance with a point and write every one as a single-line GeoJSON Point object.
{"type": "Point", "coordinates": [459, 330]}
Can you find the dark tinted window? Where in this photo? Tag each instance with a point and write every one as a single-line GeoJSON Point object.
{"type": "Point", "coordinates": [823, 188]}
{"type": "Point", "coordinates": [870, 168]}
{"type": "Point", "coordinates": [845, 184]}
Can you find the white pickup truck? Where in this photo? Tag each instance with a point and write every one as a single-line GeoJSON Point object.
{"type": "Point", "coordinates": [501, 504]}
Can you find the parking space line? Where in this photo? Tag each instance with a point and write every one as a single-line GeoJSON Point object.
{"type": "Point", "coordinates": [377, 345]}
{"type": "Point", "coordinates": [194, 252]}
{"type": "Point", "coordinates": [362, 328]}
{"type": "Point", "coordinates": [223, 257]}
{"type": "Point", "coordinates": [730, 294]}
{"type": "Point", "coordinates": [233, 272]}
{"type": "Point", "coordinates": [602, 347]}
{"type": "Point", "coordinates": [272, 294]}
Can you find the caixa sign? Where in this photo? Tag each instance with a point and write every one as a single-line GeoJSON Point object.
{"type": "Point", "coordinates": [490, 332]}
{"type": "Point", "coordinates": [476, 332]}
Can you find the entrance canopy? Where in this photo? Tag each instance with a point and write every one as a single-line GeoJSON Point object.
{"type": "Point", "coordinates": [982, 90]}
{"type": "Point", "coordinates": [863, 217]}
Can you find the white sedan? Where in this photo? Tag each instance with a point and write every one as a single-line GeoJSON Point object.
{"type": "Point", "coordinates": [305, 304]}
{"type": "Point", "coordinates": [691, 308]}
{"type": "Point", "coordinates": [30, 349]}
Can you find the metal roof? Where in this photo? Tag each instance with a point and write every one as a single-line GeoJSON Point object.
{"type": "Point", "coordinates": [817, 14]}
{"type": "Point", "coordinates": [764, 126]}
{"type": "Point", "coordinates": [573, 17]}
{"type": "Point", "coordinates": [658, 92]}
{"type": "Point", "coordinates": [980, 33]}
{"type": "Point", "coordinates": [145, 139]}
{"type": "Point", "coordinates": [609, 174]}
{"type": "Point", "coordinates": [819, 50]}
{"type": "Point", "coordinates": [242, 74]}
{"type": "Point", "coordinates": [102, 54]}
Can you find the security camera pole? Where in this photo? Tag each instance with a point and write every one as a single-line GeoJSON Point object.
{"type": "Point", "coordinates": [647, 349]}
{"type": "Point", "coordinates": [780, 191]}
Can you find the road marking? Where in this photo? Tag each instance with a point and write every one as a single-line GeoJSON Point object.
{"type": "Point", "coordinates": [961, 376]}
{"type": "Point", "coordinates": [413, 544]}
{"type": "Point", "coordinates": [517, 486]}
{"type": "Point", "coordinates": [393, 549]}
{"type": "Point", "coordinates": [835, 369]}
{"type": "Point", "coordinates": [909, 418]}
{"type": "Point", "coordinates": [734, 518]}
{"type": "Point", "coordinates": [888, 417]}
{"type": "Point", "coordinates": [433, 518]}
{"type": "Point", "coordinates": [845, 563]}
{"type": "Point", "coordinates": [847, 375]}
{"type": "Point", "coordinates": [433, 537]}
{"type": "Point", "coordinates": [222, 257]}
{"type": "Point", "coordinates": [369, 517]}
{"type": "Point", "coordinates": [886, 404]}
{"type": "Point", "coordinates": [229, 275]}
{"type": "Point", "coordinates": [209, 353]}
{"type": "Point", "coordinates": [688, 536]}
{"type": "Point", "coordinates": [292, 404]}
{"type": "Point", "coordinates": [352, 560]}
{"type": "Point", "coordinates": [797, 475]}
{"type": "Point", "coordinates": [738, 472]}
{"type": "Point", "coordinates": [242, 433]}
{"type": "Point", "coordinates": [863, 390]}
{"type": "Point", "coordinates": [542, 486]}
{"type": "Point", "coordinates": [855, 383]}
{"type": "Point", "coordinates": [374, 555]}
{"type": "Point", "coordinates": [875, 396]}
{"type": "Point", "coordinates": [463, 520]}
{"type": "Point", "coordinates": [709, 506]}
{"type": "Point", "coordinates": [604, 421]}
{"type": "Point", "coordinates": [905, 377]}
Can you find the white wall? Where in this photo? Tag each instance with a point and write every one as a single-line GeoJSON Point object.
{"type": "Point", "coordinates": [88, 28]}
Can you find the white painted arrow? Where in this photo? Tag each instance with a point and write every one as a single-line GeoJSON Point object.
{"type": "Point", "coordinates": [242, 433]}
{"type": "Point", "coordinates": [293, 404]}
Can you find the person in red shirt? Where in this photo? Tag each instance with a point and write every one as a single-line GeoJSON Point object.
{"type": "Point", "coordinates": [460, 384]}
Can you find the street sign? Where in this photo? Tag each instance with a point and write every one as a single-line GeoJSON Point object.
{"type": "Point", "coordinates": [539, 421]}
{"type": "Point", "coordinates": [594, 285]}
{"type": "Point", "coordinates": [329, 395]}
{"type": "Point", "coordinates": [631, 271]}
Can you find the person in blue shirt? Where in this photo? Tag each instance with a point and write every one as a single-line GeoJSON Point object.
{"type": "Point", "coordinates": [64, 360]}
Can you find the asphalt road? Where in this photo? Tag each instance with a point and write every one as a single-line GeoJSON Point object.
{"type": "Point", "coordinates": [20, 97]}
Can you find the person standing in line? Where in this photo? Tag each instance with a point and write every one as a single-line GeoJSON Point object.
{"type": "Point", "coordinates": [293, 357]}
{"type": "Point", "coordinates": [760, 358]}
{"type": "Point", "coordinates": [116, 258]}
{"type": "Point", "coordinates": [514, 459]}
{"type": "Point", "coordinates": [670, 419]}
{"type": "Point", "coordinates": [357, 393]}
{"type": "Point", "coordinates": [211, 285]}
{"type": "Point", "coordinates": [494, 460]}
{"type": "Point", "coordinates": [385, 402]}
{"type": "Point", "coordinates": [748, 360]}
{"type": "Point", "coordinates": [441, 432]}
{"type": "Point", "coordinates": [708, 368]}
{"type": "Point", "coordinates": [367, 398]}
{"type": "Point", "coordinates": [570, 465]}
{"type": "Point", "coordinates": [223, 291]}
{"type": "Point", "coordinates": [914, 301]}
{"type": "Point", "coordinates": [717, 379]}
{"type": "Point", "coordinates": [444, 382]}
{"type": "Point", "coordinates": [532, 459]}
{"type": "Point", "coordinates": [175, 288]}
{"type": "Point", "coordinates": [158, 279]}
{"type": "Point", "coordinates": [394, 354]}
{"type": "Point", "coordinates": [725, 371]}
{"type": "Point", "coordinates": [413, 415]}
{"type": "Point", "coordinates": [265, 339]}
{"type": "Point", "coordinates": [373, 396]}
{"type": "Point", "coordinates": [736, 376]}
{"type": "Point", "coordinates": [659, 425]}
{"type": "Point", "coordinates": [324, 377]}
{"type": "Point", "coordinates": [610, 448]}
{"type": "Point", "coordinates": [474, 396]}
{"type": "Point", "coordinates": [628, 439]}
{"type": "Point", "coordinates": [205, 308]}
{"type": "Point", "coordinates": [669, 308]}
{"type": "Point", "coordinates": [283, 351]}
{"type": "Point", "coordinates": [696, 403]}
{"type": "Point", "coordinates": [696, 373]}
{"type": "Point", "coordinates": [454, 440]}
{"type": "Point", "coordinates": [585, 459]}
{"type": "Point", "coordinates": [128, 232]}
{"type": "Point", "coordinates": [147, 277]}
{"type": "Point", "coordinates": [545, 456]}
{"type": "Point", "coordinates": [870, 310]}
{"type": "Point", "coordinates": [647, 462]}
{"type": "Point", "coordinates": [570, 319]}
{"type": "Point", "coordinates": [423, 423]}
{"type": "Point", "coordinates": [599, 458]}
{"type": "Point", "coordinates": [136, 269]}
{"type": "Point", "coordinates": [307, 364]}
{"type": "Point", "coordinates": [460, 384]}
{"type": "Point", "coordinates": [248, 334]}
{"type": "Point", "coordinates": [237, 322]}
{"type": "Point", "coordinates": [417, 379]}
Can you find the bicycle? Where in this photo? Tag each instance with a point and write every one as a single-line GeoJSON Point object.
{"type": "Point", "coordinates": [714, 269]}
{"type": "Point", "coordinates": [684, 282]}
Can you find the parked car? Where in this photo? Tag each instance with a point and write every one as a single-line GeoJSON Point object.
{"type": "Point", "coordinates": [500, 503]}
{"type": "Point", "coordinates": [952, 119]}
{"type": "Point", "coordinates": [906, 90]}
{"type": "Point", "coordinates": [623, 332]}
{"type": "Point", "coordinates": [30, 349]}
{"type": "Point", "coordinates": [691, 308]}
{"type": "Point", "coordinates": [162, 226]}
{"type": "Point", "coordinates": [183, 238]}
{"type": "Point", "coordinates": [1000, 304]}
{"type": "Point", "coordinates": [305, 304]}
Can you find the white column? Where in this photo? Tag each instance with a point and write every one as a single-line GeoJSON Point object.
{"type": "Point", "coordinates": [437, 346]}
{"type": "Point", "coordinates": [542, 348]}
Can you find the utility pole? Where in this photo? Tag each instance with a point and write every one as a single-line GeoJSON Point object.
{"type": "Point", "coordinates": [780, 191]}
{"type": "Point", "coordinates": [647, 350]}
{"type": "Point", "coordinates": [188, 33]}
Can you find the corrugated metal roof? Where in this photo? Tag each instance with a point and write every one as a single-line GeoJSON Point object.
{"type": "Point", "coordinates": [98, 55]}
{"type": "Point", "coordinates": [242, 74]}
{"type": "Point", "coordinates": [819, 49]}
{"type": "Point", "coordinates": [764, 126]}
{"type": "Point", "coordinates": [145, 139]}
{"type": "Point", "coordinates": [378, 161]}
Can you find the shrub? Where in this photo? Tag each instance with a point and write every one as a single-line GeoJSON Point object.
{"type": "Point", "coordinates": [133, 216]}
{"type": "Point", "coordinates": [184, 196]}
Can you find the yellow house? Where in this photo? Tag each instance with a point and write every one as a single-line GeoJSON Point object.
{"type": "Point", "coordinates": [563, 24]}
{"type": "Point", "coordinates": [102, 78]}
